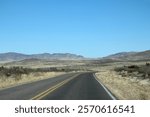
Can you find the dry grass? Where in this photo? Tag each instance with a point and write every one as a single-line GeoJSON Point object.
{"type": "Point", "coordinates": [124, 88]}
{"type": "Point", "coordinates": [42, 63]}
{"type": "Point", "coordinates": [8, 82]}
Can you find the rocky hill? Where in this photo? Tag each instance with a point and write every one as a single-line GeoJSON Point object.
{"type": "Point", "coordinates": [145, 55]}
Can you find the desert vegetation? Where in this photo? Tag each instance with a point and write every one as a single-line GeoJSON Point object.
{"type": "Point", "coordinates": [127, 81]}
{"type": "Point", "coordinates": [13, 72]}
{"type": "Point", "coordinates": [18, 72]}
{"type": "Point", "coordinates": [17, 75]}
{"type": "Point", "coordinates": [139, 72]}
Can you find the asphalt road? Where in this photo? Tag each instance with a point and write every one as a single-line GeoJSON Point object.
{"type": "Point", "coordinates": [83, 86]}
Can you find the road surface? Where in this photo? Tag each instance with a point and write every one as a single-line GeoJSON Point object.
{"type": "Point", "coordinates": [75, 86]}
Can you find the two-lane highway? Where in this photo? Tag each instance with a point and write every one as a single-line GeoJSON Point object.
{"type": "Point", "coordinates": [76, 86]}
{"type": "Point", "coordinates": [28, 91]}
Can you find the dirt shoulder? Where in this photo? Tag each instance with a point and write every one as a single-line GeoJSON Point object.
{"type": "Point", "coordinates": [123, 87]}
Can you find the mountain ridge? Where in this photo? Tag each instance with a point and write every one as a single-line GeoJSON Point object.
{"type": "Point", "coordinates": [123, 56]}
{"type": "Point", "coordinates": [13, 56]}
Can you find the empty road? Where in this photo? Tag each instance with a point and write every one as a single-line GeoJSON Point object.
{"type": "Point", "coordinates": [75, 86]}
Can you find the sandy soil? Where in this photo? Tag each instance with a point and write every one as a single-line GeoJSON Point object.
{"type": "Point", "coordinates": [124, 88]}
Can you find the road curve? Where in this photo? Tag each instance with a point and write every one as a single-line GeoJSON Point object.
{"type": "Point", "coordinates": [83, 86]}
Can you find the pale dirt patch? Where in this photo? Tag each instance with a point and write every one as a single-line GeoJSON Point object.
{"type": "Point", "coordinates": [124, 88]}
{"type": "Point", "coordinates": [9, 82]}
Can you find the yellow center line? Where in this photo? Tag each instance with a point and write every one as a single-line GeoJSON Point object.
{"type": "Point", "coordinates": [51, 89]}
{"type": "Point", "coordinates": [48, 90]}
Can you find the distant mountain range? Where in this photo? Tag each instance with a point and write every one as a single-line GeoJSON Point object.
{"type": "Point", "coordinates": [123, 56]}
{"type": "Point", "coordinates": [145, 55]}
{"type": "Point", "coordinates": [12, 56]}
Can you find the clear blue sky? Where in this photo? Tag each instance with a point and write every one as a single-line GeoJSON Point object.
{"type": "Point", "coordinates": [93, 28]}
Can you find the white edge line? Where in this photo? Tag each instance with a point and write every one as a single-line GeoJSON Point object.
{"type": "Point", "coordinates": [105, 88]}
